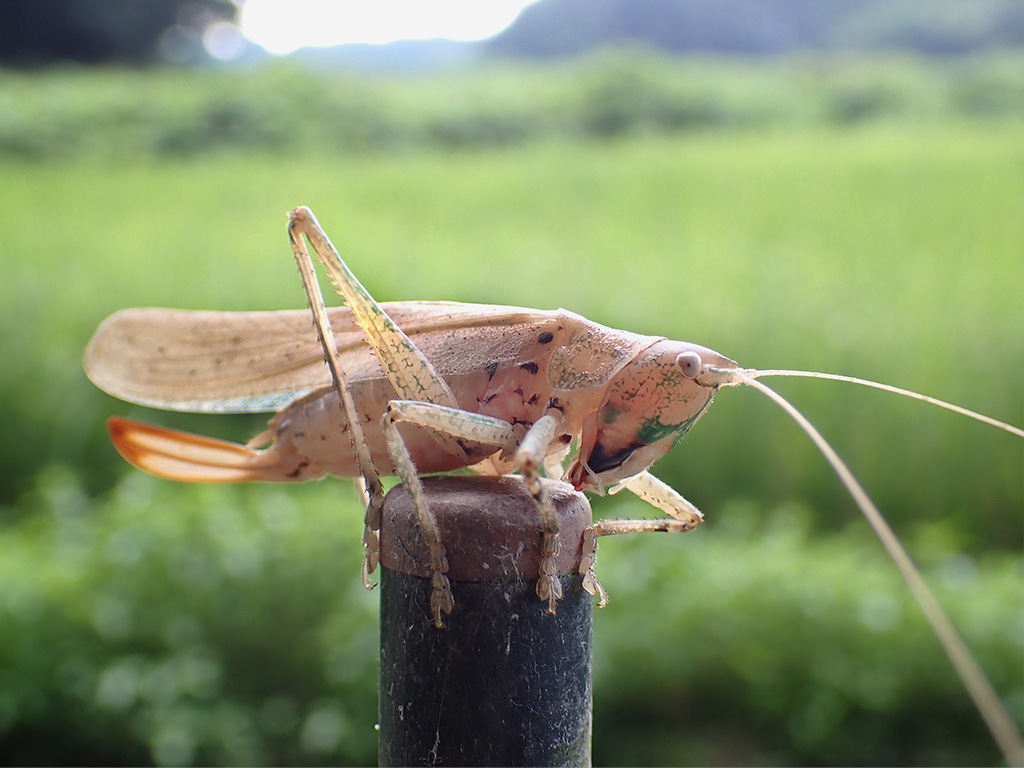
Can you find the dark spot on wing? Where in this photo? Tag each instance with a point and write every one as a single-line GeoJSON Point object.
{"type": "Point", "coordinates": [546, 337]}
{"type": "Point", "coordinates": [492, 368]}
{"type": "Point", "coordinates": [531, 368]}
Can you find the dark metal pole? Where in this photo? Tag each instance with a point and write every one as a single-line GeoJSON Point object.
{"type": "Point", "coordinates": [505, 682]}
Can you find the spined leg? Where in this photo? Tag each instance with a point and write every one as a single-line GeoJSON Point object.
{"type": "Point", "coordinates": [409, 371]}
{"type": "Point", "coordinates": [407, 368]}
{"type": "Point", "coordinates": [453, 423]}
{"type": "Point", "coordinates": [530, 453]}
{"type": "Point", "coordinates": [528, 459]}
{"type": "Point", "coordinates": [685, 517]}
{"type": "Point", "coordinates": [372, 491]}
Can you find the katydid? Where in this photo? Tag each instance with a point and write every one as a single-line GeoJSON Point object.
{"type": "Point", "coordinates": [490, 388]}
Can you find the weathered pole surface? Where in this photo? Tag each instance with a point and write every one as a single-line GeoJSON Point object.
{"type": "Point", "coordinates": [504, 682]}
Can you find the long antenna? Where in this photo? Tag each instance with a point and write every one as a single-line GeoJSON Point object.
{"type": "Point", "coordinates": [990, 707]}
{"type": "Point", "coordinates": [756, 374]}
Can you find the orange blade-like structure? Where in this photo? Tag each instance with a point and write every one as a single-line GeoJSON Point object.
{"type": "Point", "coordinates": [189, 458]}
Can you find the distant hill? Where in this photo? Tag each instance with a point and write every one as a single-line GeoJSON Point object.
{"type": "Point", "coordinates": [398, 57]}
{"type": "Point", "coordinates": [762, 27]}
{"type": "Point", "coordinates": [567, 28]}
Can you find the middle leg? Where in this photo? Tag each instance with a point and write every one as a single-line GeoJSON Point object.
{"type": "Point", "coordinates": [454, 424]}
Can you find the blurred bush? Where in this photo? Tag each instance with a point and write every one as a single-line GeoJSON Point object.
{"type": "Point", "coordinates": [811, 643]}
{"type": "Point", "coordinates": [281, 108]}
{"type": "Point", "coordinates": [211, 628]}
{"type": "Point", "coordinates": [228, 626]}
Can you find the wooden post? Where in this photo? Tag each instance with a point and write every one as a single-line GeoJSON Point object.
{"type": "Point", "coordinates": [504, 682]}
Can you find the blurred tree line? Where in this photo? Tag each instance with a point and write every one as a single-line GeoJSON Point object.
{"type": "Point", "coordinates": [39, 32]}
{"type": "Point", "coordinates": [138, 32]}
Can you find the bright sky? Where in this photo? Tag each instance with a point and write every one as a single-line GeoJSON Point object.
{"type": "Point", "coordinates": [281, 26]}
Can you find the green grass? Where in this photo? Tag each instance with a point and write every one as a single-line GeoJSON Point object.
{"type": "Point", "coordinates": [883, 251]}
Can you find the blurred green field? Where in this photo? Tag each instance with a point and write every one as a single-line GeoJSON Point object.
{"type": "Point", "coordinates": [146, 622]}
{"type": "Point", "coordinates": [112, 115]}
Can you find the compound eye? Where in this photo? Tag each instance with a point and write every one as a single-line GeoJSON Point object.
{"type": "Point", "coordinates": [689, 363]}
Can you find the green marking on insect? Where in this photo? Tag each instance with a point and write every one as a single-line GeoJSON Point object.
{"type": "Point", "coordinates": [652, 430]}
{"type": "Point", "coordinates": [611, 412]}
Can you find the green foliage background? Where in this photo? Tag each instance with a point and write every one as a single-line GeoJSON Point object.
{"type": "Point", "coordinates": [848, 216]}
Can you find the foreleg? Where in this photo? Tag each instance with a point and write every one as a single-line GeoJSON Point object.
{"type": "Point", "coordinates": [684, 517]}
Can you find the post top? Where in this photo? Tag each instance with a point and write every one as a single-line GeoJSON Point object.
{"type": "Point", "coordinates": [490, 527]}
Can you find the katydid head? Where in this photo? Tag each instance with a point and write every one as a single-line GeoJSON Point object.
{"type": "Point", "coordinates": [649, 405]}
